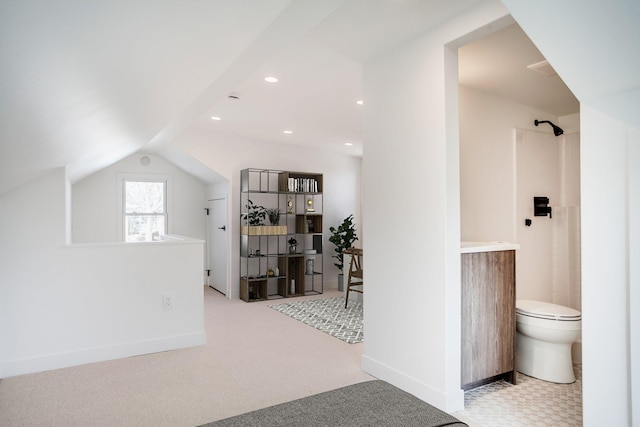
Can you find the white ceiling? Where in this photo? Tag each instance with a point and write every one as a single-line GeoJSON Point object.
{"type": "Point", "coordinates": [86, 83]}
{"type": "Point", "coordinates": [498, 64]}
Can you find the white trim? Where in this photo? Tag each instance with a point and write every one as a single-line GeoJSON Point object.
{"type": "Point", "coordinates": [99, 354]}
{"type": "Point", "coordinates": [448, 402]}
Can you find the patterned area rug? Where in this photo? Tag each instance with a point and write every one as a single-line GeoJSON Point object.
{"type": "Point", "coordinates": [329, 316]}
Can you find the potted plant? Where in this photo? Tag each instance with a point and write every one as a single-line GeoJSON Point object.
{"type": "Point", "coordinates": [255, 214]}
{"type": "Point", "coordinates": [274, 215]}
{"type": "Point", "coordinates": [293, 245]}
{"type": "Point", "coordinates": [343, 238]}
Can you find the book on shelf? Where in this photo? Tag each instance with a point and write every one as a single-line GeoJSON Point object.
{"type": "Point", "coordinates": [302, 185]}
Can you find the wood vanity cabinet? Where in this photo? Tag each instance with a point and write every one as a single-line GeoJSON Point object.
{"type": "Point", "coordinates": [488, 317]}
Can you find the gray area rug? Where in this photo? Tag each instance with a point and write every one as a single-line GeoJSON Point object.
{"type": "Point", "coordinates": [329, 316]}
{"type": "Point", "coordinates": [372, 403]}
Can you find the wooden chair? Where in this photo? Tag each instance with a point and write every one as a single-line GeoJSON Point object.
{"type": "Point", "coordinates": [355, 273]}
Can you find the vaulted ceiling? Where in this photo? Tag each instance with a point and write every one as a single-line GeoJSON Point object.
{"type": "Point", "coordinates": [86, 83]}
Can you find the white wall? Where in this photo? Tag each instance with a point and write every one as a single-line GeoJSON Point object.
{"type": "Point", "coordinates": [488, 164]}
{"type": "Point", "coordinates": [411, 162]}
{"type": "Point", "coordinates": [228, 155]}
{"type": "Point", "coordinates": [63, 305]}
{"type": "Point", "coordinates": [634, 272]}
{"type": "Point", "coordinates": [606, 282]}
{"type": "Point", "coordinates": [95, 201]}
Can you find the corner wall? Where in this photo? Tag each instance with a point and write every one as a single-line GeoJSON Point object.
{"type": "Point", "coordinates": [411, 162]}
{"type": "Point", "coordinates": [63, 305]}
{"type": "Point", "coordinates": [607, 282]}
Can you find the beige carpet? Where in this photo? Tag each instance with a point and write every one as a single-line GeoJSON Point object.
{"type": "Point", "coordinates": [255, 357]}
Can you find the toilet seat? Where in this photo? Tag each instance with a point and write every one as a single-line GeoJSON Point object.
{"type": "Point", "coordinates": [546, 310]}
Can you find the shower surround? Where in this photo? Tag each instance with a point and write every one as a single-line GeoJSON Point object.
{"type": "Point", "coordinates": [548, 266]}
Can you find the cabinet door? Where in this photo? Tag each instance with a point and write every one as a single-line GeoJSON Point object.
{"type": "Point", "coordinates": [505, 306]}
{"type": "Point", "coordinates": [488, 315]}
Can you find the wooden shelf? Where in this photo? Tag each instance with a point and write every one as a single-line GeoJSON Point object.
{"type": "Point", "coordinates": [264, 230]}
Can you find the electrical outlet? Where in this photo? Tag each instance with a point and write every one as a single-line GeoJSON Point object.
{"type": "Point", "coordinates": [167, 302]}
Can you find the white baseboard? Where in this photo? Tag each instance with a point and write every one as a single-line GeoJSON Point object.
{"type": "Point", "coordinates": [448, 402]}
{"type": "Point", "coordinates": [49, 362]}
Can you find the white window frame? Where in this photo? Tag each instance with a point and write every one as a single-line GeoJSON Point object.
{"type": "Point", "coordinates": [123, 178]}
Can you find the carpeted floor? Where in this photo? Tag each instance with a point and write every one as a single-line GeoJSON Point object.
{"type": "Point", "coordinates": [371, 403]}
{"type": "Point", "coordinates": [329, 316]}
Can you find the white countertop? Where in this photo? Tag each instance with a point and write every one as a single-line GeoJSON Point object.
{"type": "Point", "coordinates": [470, 247]}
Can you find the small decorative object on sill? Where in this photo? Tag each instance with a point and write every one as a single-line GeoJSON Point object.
{"type": "Point", "coordinates": [270, 272]}
{"type": "Point", "coordinates": [310, 205]}
{"type": "Point", "coordinates": [309, 256]}
{"type": "Point", "coordinates": [277, 271]}
{"type": "Point", "coordinates": [293, 245]}
{"type": "Point", "coordinates": [290, 205]}
{"type": "Point", "coordinates": [293, 286]}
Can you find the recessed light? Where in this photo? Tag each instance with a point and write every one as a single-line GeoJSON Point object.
{"type": "Point", "coordinates": [360, 102]}
{"type": "Point", "coordinates": [288, 132]}
{"type": "Point", "coordinates": [216, 118]}
{"type": "Point", "coordinates": [348, 144]}
{"type": "Point", "coordinates": [271, 79]}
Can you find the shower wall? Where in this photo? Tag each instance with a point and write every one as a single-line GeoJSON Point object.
{"type": "Point", "coordinates": [494, 202]}
{"type": "Point", "coordinates": [548, 267]}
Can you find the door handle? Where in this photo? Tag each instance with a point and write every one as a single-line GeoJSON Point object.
{"type": "Point", "coordinates": [223, 228]}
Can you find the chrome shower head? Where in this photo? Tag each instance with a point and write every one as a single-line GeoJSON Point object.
{"type": "Point", "coordinates": [557, 130]}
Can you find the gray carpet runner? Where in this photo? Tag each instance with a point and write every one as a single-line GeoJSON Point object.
{"type": "Point", "coordinates": [371, 403]}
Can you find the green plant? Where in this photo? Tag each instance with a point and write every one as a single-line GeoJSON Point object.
{"type": "Point", "coordinates": [343, 238]}
{"type": "Point", "coordinates": [293, 241]}
{"type": "Point", "coordinates": [255, 213]}
{"type": "Point", "coordinates": [274, 215]}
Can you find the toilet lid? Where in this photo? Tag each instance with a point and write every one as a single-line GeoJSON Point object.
{"type": "Point", "coordinates": [546, 310]}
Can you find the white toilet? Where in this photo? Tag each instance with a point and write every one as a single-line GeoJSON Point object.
{"type": "Point", "coordinates": [545, 333]}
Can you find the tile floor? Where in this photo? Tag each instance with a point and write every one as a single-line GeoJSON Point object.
{"type": "Point", "coordinates": [529, 403]}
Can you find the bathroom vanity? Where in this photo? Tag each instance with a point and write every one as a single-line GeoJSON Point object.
{"type": "Point", "coordinates": [488, 312]}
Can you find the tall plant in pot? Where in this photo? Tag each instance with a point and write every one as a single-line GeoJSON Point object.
{"type": "Point", "coordinates": [343, 238]}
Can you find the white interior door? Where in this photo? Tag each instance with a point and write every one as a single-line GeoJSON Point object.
{"type": "Point", "coordinates": [217, 244]}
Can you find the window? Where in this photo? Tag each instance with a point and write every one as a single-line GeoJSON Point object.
{"type": "Point", "coordinates": [144, 209]}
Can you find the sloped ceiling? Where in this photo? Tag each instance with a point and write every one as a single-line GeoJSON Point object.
{"type": "Point", "coordinates": [593, 45]}
{"type": "Point", "coordinates": [86, 83]}
{"type": "Point", "coordinates": [498, 64]}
